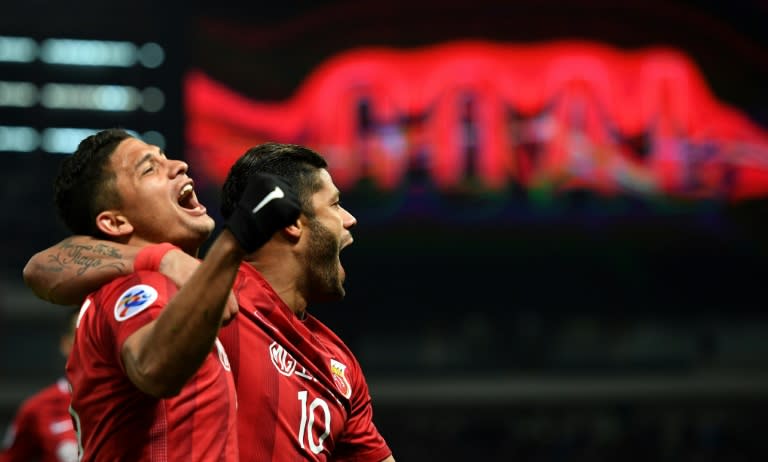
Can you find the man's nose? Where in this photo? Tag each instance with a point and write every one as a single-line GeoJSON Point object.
{"type": "Point", "coordinates": [177, 167]}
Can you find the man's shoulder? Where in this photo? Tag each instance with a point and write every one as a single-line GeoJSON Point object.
{"type": "Point", "coordinates": [153, 279]}
{"type": "Point", "coordinates": [319, 329]}
{"type": "Point", "coordinates": [145, 276]}
{"type": "Point", "coordinates": [250, 279]}
{"type": "Point", "coordinates": [332, 343]}
{"type": "Point", "coordinates": [131, 294]}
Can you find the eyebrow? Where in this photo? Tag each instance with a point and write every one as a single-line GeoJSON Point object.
{"type": "Point", "coordinates": [146, 157]}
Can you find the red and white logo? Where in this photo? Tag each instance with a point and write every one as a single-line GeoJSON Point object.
{"type": "Point", "coordinates": [340, 379]}
{"type": "Point", "coordinates": [282, 360]}
{"type": "Point", "coordinates": [223, 358]}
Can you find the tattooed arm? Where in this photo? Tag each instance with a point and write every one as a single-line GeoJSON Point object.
{"type": "Point", "coordinates": [70, 270]}
{"type": "Point", "coordinates": [65, 273]}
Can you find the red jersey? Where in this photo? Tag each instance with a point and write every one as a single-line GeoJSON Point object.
{"type": "Point", "coordinates": [119, 422]}
{"type": "Point", "coordinates": [302, 393]}
{"type": "Point", "coordinates": [42, 429]}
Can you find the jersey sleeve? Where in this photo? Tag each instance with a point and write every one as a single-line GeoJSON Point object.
{"type": "Point", "coordinates": [361, 440]}
{"type": "Point", "coordinates": [21, 442]}
{"type": "Point", "coordinates": [132, 303]}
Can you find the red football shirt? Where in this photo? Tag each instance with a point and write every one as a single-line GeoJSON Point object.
{"type": "Point", "coordinates": [42, 429]}
{"type": "Point", "coordinates": [117, 421]}
{"type": "Point", "coordinates": [302, 393]}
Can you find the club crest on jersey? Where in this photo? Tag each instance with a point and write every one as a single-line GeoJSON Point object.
{"type": "Point", "coordinates": [282, 360]}
{"type": "Point", "coordinates": [340, 379]}
{"type": "Point", "coordinates": [134, 300]}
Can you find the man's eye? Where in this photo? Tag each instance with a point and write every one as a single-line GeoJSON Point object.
{"type": "Point", "coordinates": [148, 170]}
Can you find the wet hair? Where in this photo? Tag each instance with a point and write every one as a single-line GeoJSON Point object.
{"type": "Point", "coordinates": [298, 165]}
{"type": "Point", "coordinates": [85, 184]}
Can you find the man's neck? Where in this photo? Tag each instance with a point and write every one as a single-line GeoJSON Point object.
{"type": "Point", "coordinates": [284, 281]}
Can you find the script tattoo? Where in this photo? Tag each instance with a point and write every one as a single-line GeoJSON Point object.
{"type": "Point", "coordinates": [85, 257]}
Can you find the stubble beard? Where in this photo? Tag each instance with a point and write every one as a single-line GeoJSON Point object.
{"type": "Point", "coordinates": [325, 282]}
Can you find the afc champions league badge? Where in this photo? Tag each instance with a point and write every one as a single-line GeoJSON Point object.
{"type": "Point", "coordinates": [340, 379]}
{"type": "Point", "coordinates": [134, 300]}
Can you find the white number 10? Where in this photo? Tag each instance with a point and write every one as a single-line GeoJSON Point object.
{"type": "Point", "coordinates": [315, 447]}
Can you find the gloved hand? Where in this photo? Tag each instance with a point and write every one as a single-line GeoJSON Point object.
{"type": "Point", "coordinates": [268, 204]}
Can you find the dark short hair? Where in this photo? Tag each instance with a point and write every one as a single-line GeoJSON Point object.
{"type": "Point", "coordinates": [85, 184]}
{"type": "Point", "coordinates": [298, 165]}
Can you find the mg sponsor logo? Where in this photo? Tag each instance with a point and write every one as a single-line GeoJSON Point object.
{"type": "Point", "coordinates": [283, 361]}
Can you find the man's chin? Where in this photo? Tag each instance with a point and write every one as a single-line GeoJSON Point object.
{"type": "Point", "coordinates": [208, 225]}
{"type": "Point", "coordinates": [338, 292]}
{"type": "Point", "coordinates": [205, 228]}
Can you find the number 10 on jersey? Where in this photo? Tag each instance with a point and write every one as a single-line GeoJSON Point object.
{"type": "Point", "coordinates": [307, 426]}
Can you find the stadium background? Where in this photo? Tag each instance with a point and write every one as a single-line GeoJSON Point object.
{"type": "Point", "coordinates": [573, 327]}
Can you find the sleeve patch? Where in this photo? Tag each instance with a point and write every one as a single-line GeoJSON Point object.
{"type": "Point", "coordinates": [340, 379]}
{"type": "Point", "coordinates": [134, 300]}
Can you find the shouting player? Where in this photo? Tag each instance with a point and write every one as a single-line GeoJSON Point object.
{"type": "Point", "coordinates": [302, 394]}
{"type": "Point", "coordinates": [150, 380]}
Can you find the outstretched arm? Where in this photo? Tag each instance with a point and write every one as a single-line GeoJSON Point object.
{"type": "Point", "coordinates": [67, 272]}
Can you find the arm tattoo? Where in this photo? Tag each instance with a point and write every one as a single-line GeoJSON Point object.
{"type": "Point", "coordinates": [85, 257]}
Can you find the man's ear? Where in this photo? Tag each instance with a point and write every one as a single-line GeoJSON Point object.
{"type": "Point", "coordinates": [112, 223]}
{"type": "Point", "coordinates": [295, 229]}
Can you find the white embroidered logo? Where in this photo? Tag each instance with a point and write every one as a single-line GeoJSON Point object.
{"type": "Point", "coordinates": [276, 194]}
{"type": "Point", "coordinates": [282, 360]}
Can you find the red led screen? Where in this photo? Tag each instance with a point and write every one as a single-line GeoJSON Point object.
{"type": "Point", "coordinates": [548, 117]}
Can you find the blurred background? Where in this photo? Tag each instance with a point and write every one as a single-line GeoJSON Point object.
{"type": "Point", "coordinates": [562, 205]}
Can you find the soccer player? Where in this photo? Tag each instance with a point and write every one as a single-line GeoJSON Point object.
{"type": "Point", "coordinates": [302, 394]}
{"type": "Point", "coordinates": [150, 380]}
{"type": "Point", "coordinates": [42, 429]}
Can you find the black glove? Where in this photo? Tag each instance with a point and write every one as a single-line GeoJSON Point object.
{"type": "Point", "coordinates": [268, 204]}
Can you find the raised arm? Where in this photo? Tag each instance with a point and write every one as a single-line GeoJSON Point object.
{"type": "Point", "coordinates": [67, 272]}
{"type": "Point", "coordinates": [162, 355]}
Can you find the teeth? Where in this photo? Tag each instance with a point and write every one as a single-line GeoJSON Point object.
{"type": "Point", "coordinates": [185, 191]}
